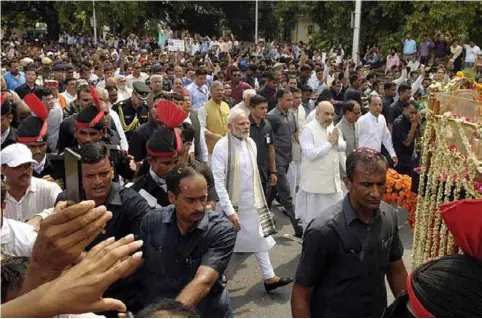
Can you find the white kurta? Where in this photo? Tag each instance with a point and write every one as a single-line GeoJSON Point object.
{"type": "Point", "coordinates": [311, 205]}
{"type": "Point", "coordinates": [250, 237]}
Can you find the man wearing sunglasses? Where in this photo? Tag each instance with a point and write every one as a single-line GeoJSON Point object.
{"type": "Point", "coordinates": [133, 112]}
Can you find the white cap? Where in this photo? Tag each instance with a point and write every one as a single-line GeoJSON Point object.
{"type": "Point", "coordinates": [16, 154]}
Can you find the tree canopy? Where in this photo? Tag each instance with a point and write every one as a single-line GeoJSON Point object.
{"type": "Point", "coordinates": [383, 23]}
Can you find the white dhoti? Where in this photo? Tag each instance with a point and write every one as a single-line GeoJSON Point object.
{"type": "Point", "coordinates": [312, 205]}
{"type": "Point", "coordinates": [250, 238]}
{"type": "Point", "coordinates": [293, 176]}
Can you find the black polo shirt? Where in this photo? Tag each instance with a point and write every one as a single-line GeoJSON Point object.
{"type": "Point", "coordinates": [401, 128]}
{"type": "Point", "coordinates": [387, 101]}
{"type": "Point", "coordinates": [171, 260]}
{"type": "Point", "coordinates": [127, 114]}
{"type": "Point", "coordinates": [127, 207]}
{"type": "Point", "coordinates": [138, 140]}
{"type": "Point", "coordinates": [396, 109]}
{"type": "Point", "coordinates": [345, 261]}
{"type": "Point", "coordinates": [284, 126]}
{"type": "Point", "coordinates": [24, 89]}
{"type": "Point", "coordinates": [263, 136]}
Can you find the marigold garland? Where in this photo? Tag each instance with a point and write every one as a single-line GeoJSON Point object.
{"type": "Point", "coordinates": [398, 192]}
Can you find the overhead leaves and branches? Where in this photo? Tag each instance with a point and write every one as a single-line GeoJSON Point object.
{"type": "Point", "coordinates": [383, 23]}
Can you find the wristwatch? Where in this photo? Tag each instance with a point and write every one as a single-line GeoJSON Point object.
{"type": "Point", "coordinates": [275, 172]}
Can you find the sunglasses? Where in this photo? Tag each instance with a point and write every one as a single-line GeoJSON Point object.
{"type": "Point", "coordinates": [142, 96]}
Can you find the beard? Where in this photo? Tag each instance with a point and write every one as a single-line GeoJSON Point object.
{"type": "Point", "coordinates": [241, 135]}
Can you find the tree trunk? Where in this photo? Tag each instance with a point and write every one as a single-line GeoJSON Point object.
{"type": "Point", "coordinates": [50, 16]}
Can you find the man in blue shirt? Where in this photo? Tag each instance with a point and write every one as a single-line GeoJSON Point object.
{"type": "Point", "coordinates": [409, 47]}
{"type": "Point", "coordinates": [14, 78]}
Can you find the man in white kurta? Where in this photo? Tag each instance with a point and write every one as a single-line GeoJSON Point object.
{"type": "Point", "coordinates": [372, 131]}
{"type": "Point", "coordinates": [320, 183]}
{"type": "Point", "coordinates": [250, 238]}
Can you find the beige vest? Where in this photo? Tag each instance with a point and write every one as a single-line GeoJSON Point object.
{"type": "Point", "coordinates": [321, 175]}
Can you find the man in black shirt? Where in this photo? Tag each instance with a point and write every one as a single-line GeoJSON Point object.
{"type": "Point", "coordinates": [305, 74]}
{"type": "Point", "coordinates": [139, 138]}
{"type": "Point", "coordinates": [268, 91]}
{"type": "Point", "coordinates": [353, 92]}
{"type": "Point", "coordinates": [396, 109]}
{"type": "Point", "coordinates": [388, 97]}
{"type": "Point", "coordinates": [262, 134]}
{"type": "Point", "coordinates": [127, 206]}
{"type": "Point", "coordinates": [186, 249]}
{"type": "Point", "coordinates": [249, 77]}
{"type": "Point", "coordinates": [29, 86]}
{"type": "Point", "coordinates": [404, 131]}
{"type": "Point", "coordinates": [134, 112]}
{"type": "Point", "coordinates": [350, 248]}
{"type": "Point", "coordinates": [8, 132]}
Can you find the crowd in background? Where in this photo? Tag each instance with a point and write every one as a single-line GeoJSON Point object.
{"type": "Point", "coordinates": [118, 105]}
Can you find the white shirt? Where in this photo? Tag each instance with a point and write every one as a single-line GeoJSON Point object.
{"type": "Point", "coordinates": [68, 98]}
{"type": "Point", "coordinates": [123, 139]}
{"type": "Point", "coordinates": [224, 47]}
{"type": "Point", "coordinates": [471, 53]}
{"type": "Point", "coordinates": [124, 94]}
{"type": "Point", "coordinates": [372, 132]}
{"type": "Point", "coordinates": [17, 238]}
{"type": "Point", "coordinates": [312, 151]}
{"type": "Point", "coordinates": [40, 166]}
{"type": "Point", "coordinates": [40, 195]}
{"type": "Point", "coordinates": [131, 79]}
{"type": "Point", "coordinates": [202, 141]}
{"type": "Point", "coordinates": [246, 173]}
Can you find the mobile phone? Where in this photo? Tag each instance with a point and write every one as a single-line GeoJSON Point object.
{"type": "Point", "coordinates": [73, 176]}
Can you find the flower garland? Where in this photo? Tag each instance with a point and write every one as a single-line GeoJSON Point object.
{"type": "Point", "coordinates": [444, 172]}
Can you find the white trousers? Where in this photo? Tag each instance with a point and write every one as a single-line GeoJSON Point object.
{"type": "Point", "coordinates": [265, 264]}
{"type": "Point", "coordinates": [293, 176]}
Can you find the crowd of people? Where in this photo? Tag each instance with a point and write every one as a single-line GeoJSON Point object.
{"type": "Point", "coordinates": [183, 155]}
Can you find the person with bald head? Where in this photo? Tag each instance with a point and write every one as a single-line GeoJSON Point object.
{"type": "Point", "coordinates": [155, 84]}
{"type": "Point", "coordinates": [372, 130]}
{"type": "Point", "coordinates": [322, 146]}
{"type": "Point", "coordinates": [244, 104]}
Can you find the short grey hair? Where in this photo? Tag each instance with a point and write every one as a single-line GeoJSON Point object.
{"type": "Point", "coordinates": [215, 85]}
{"type": "Point", "coordinates": [154, 76]}
{"type": "Point", "coordinates": [249, 93]}
{"type": "Point", "coordinates": [235, 113]}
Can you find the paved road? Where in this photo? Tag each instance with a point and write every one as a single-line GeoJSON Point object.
{"type": "Point", "coordinates": [247, 292]}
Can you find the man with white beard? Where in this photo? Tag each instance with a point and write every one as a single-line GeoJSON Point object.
{"type": "Point", "coordinates": [241, 196]}
{"type": "Point", "coordinates": [123, 92]}
{"type": "Point", "coordinates": [320, 183]}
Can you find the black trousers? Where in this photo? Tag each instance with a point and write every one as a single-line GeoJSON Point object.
{"type": "Point", "coordinates": [282, 188]}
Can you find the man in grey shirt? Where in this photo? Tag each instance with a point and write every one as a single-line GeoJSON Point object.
{"type": "Point", "coordinates": [351, 113]}
{"type": "Point", "coordinates": [284, 127]}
